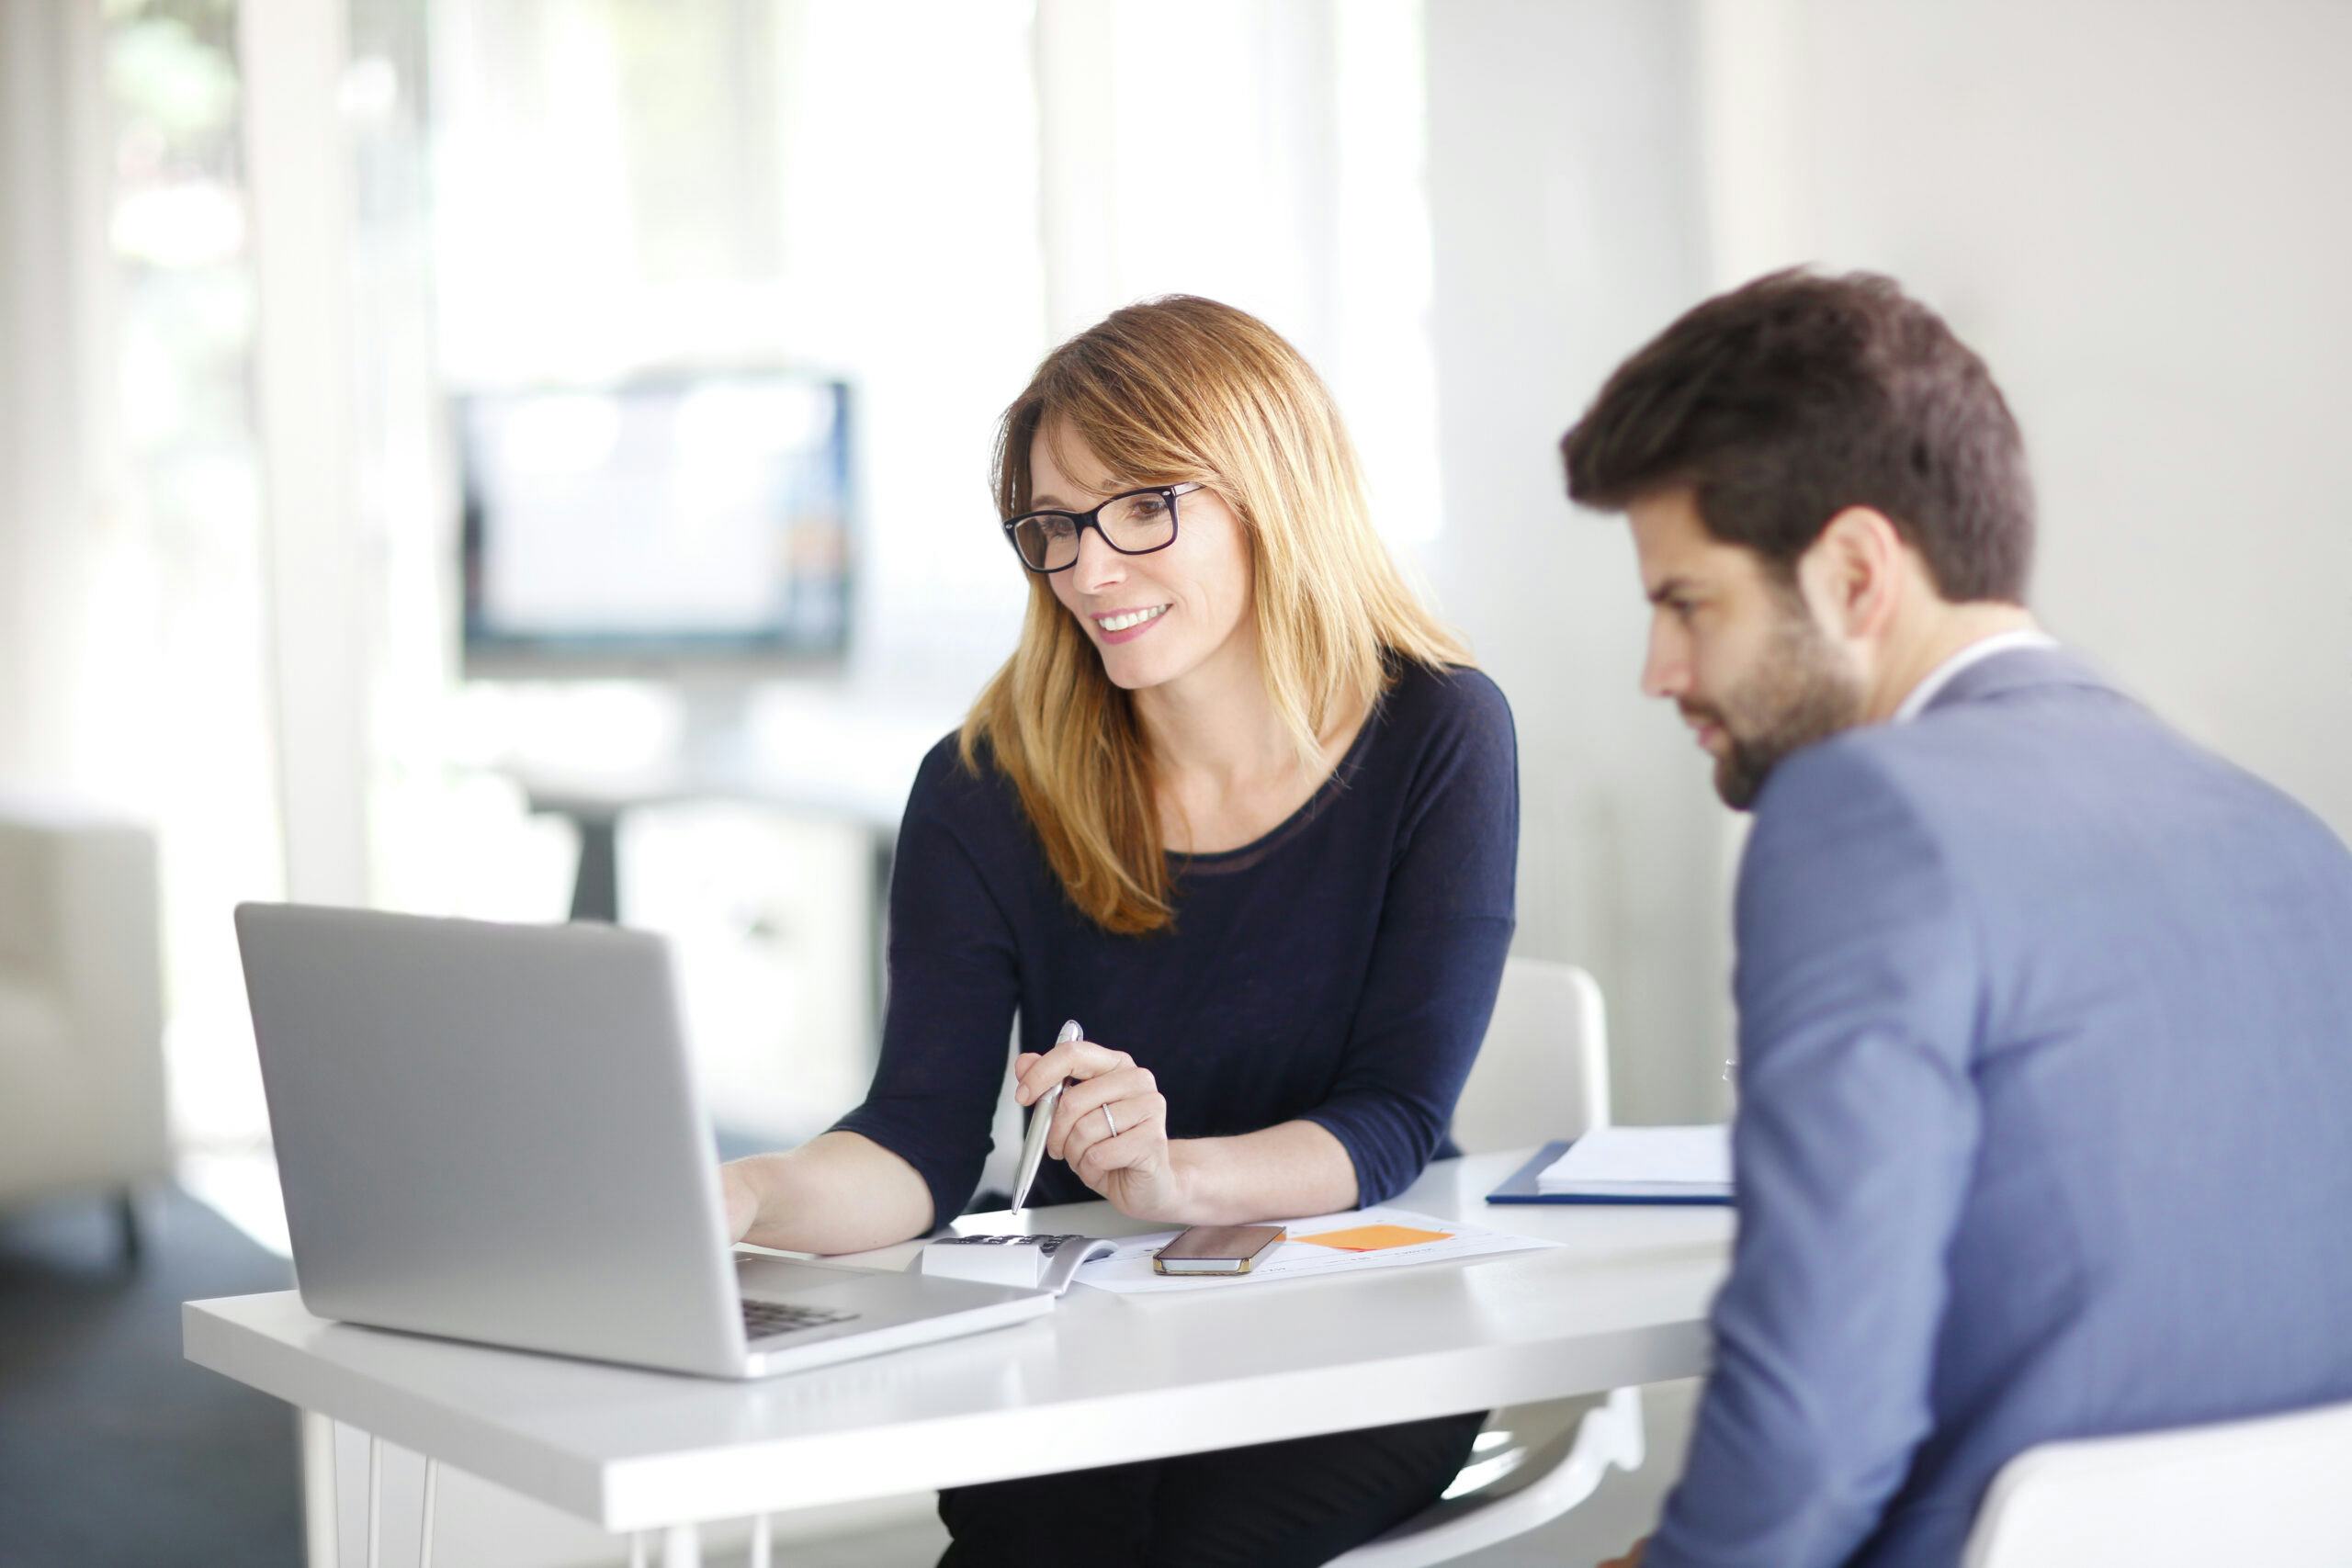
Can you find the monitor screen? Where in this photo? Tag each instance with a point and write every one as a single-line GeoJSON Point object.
{"type": "Point", "coordinates": [694, 521]}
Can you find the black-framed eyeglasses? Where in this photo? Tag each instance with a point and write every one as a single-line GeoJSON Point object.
{"type": "Point", "coordinates": [1134, 524]}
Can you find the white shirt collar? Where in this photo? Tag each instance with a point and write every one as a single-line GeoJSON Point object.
{"type": "Point", "coordinates": [1984, 647]}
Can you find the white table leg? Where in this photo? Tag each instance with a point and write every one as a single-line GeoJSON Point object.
{"type": "Point", "coordinates": [320, 1548]}
{"type": "Point", "coordinates": [763, 1542]}
{"type": "Point", "coordinates": [425, 1529]}
{"type": "Point", "coordinates": [375, 1500]}
{"type": "Point", "coordinates": [680, 1544]}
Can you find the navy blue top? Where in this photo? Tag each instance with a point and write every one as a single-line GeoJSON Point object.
{"type": "Point", "coordinates": [1341, 969]}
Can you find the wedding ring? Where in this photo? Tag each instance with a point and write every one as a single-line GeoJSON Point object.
{"type": "Point", "coordinates": [1106, 1119]}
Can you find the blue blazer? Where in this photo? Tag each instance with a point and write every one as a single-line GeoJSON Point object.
{"type": "Point", "coordinates": [2045, 1121]}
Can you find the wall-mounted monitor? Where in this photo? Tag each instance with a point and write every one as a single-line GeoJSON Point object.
{"type": "Point", "coordinates": [684, 526]}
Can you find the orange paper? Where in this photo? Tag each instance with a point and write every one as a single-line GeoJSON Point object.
{"type": "Point", "coordinates": [1371, 1238]}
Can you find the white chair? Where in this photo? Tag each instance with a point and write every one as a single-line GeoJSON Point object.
{"type": "Point", "coordinates": [1543, 1073]}
{"type": "Point", "coordinates": [1543, 1070]}
{"type": "Point", "coordinates": [2271, 1491]}
{"type": "Point", "coordinates": [81, 1009]}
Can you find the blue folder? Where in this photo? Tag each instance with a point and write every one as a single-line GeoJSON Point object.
{"type": "Point", "coordinates": [1521, 1188]}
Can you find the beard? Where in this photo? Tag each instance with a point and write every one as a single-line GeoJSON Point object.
{"type": "Point", "coordinates": [1800, 693]}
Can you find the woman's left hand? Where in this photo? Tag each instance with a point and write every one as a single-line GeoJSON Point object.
{"type": "Point", "coordinates": [1111, 1126]}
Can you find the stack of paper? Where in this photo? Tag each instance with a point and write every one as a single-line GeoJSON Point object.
{"type": "Point", "coordinates": [1691, 1165]}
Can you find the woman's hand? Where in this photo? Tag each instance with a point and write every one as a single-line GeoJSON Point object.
{"type": "Point", "coordinates": [1111, 1126]}
{"type": "Point", "coordinates": [838, 1193]}
{"type": "Point", "coordinates": [742, 1202]}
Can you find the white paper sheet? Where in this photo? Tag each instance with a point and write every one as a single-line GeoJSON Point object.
{"type": "Point", "coordinates": [1644, 1162]}
{"type": "Point", "coordinates": [1128, 1272]}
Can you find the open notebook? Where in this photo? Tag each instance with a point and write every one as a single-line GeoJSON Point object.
{"type": "Point", "coordinates": [1028, 1262]}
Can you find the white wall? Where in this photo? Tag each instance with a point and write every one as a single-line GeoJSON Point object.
{"type": "Point", "coordinates": [1566, 200]}
{"type": "Point", "coordinates": [2136, 209]}
{"type": "Point", "coordinates": [2133, 208]}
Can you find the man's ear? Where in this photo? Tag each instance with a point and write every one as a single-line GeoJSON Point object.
{"type": "Point", "coordinates": [1855, 573]}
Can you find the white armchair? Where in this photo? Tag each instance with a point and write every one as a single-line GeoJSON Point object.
{"type": "Point", "coordinates": [81, 1007]}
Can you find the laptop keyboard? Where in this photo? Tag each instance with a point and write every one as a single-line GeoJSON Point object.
{"type": "Point", "coordinates": [766, 1320]}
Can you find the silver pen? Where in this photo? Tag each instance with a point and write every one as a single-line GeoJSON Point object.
{"type": "Point", "coordinates": [1041, 1121]}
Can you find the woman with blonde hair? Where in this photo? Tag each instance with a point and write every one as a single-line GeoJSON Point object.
{"type": "Point", "coordinates": [1237, 802]}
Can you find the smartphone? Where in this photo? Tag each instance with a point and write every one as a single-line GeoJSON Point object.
{"type": "Point", "coordinates": [1217, 1250]}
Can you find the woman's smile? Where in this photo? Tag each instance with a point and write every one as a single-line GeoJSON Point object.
{"type": "Point", "coordinates": [1125, 625]}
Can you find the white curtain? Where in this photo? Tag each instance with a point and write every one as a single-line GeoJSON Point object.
{"type": "Point", "coordinates": [55, 383]}
{"type": "Point", "coordinates": [1269, 153]}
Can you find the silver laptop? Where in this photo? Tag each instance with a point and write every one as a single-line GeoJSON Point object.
{"type": "Point", "coordinates": [491, 1132]}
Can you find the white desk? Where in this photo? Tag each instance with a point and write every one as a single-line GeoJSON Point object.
{"type": "Point", "coordinates": [824, 753]}
{"type": "Point", "coordinates": [1101, 1380]}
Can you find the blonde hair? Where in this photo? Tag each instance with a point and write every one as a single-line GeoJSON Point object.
{"type": "Point", "coordinates": [1171, 391]}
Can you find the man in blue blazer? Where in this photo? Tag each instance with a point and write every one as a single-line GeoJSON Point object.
{"type": "Point", "coordinates": [2045, 1015]}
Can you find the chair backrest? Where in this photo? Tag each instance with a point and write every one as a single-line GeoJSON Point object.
{"type": "Point", "coordinates": [81, 1000]}
{"type": "Point", "coordinates": [2271, 1491]}
{"type": "Point", "coordinates": [1543, 1071]}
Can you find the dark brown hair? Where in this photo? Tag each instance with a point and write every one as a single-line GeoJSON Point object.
{"type": "Point", "coordinates": [1794, 397]}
